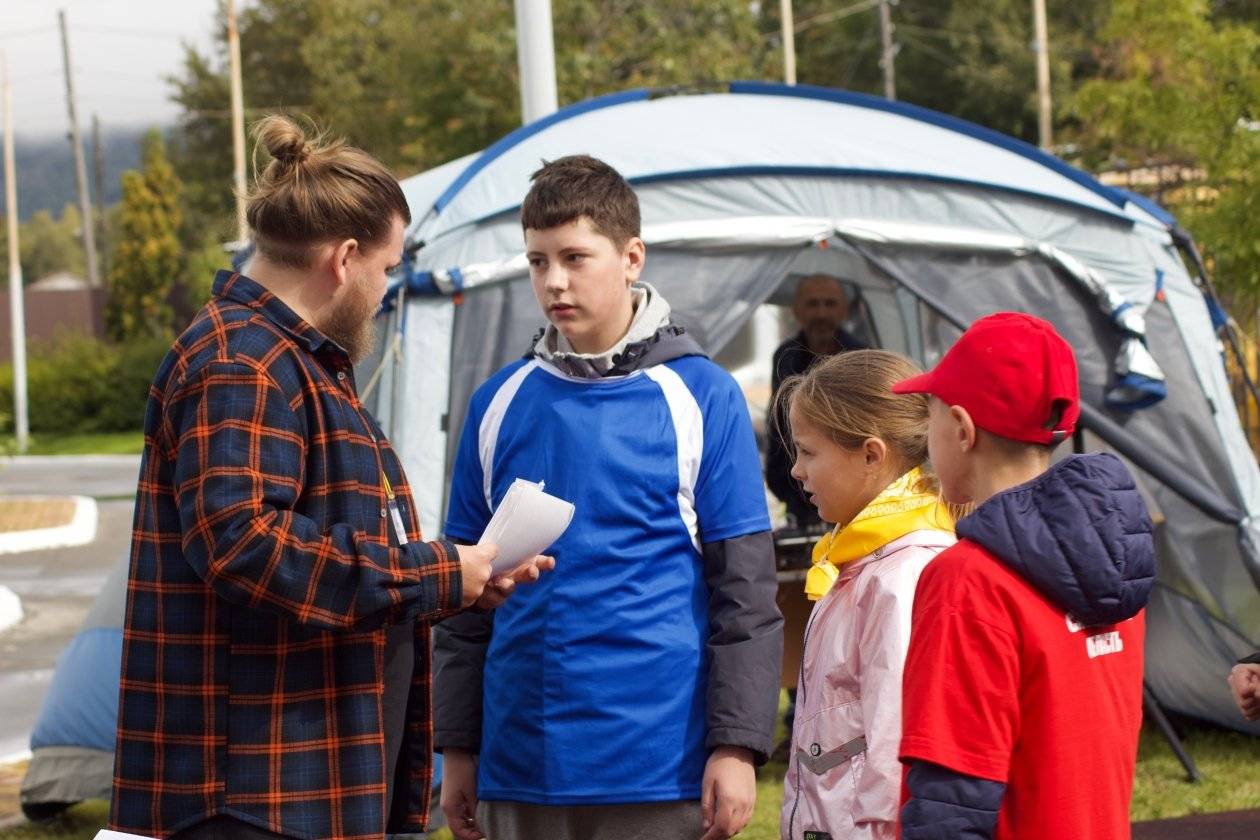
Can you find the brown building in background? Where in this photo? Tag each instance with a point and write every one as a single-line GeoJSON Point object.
{"type": "Point", "coordinates": [58, 303]}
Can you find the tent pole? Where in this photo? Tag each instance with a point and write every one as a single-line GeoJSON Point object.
{"type": "Point", "coordinates": [400, 304]}
{"type": "Point", "coordinates": [1186, 245]}
{"type": "Point", "coordinates": [1203, 498]}
{"type": "Point", "coordinates": [1152, 709]}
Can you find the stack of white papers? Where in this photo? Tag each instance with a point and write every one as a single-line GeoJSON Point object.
{"type": "Point", "coordinates": [105, 834]}
{"type": "Point", "coordinates": [526, 522]}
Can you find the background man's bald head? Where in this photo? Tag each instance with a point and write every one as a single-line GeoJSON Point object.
{"type": "Point", "coordinates": [818, 283]}
{"type": "Point", "coordinates": [820, 307]}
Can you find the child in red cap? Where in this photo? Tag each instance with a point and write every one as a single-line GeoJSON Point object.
{"type": "Point", "coordinates": [1023, 683]}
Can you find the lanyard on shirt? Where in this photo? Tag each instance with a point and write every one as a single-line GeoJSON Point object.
{"type": "Point", "coordinates": [394, 512]}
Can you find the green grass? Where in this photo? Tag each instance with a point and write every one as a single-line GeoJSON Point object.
{"type": "Point", "coordinates": [103, 443]}
{"type": "Point", "coordinates": [1229, 761]}
{"type": "Point", "coordinates": [78, 823]}
{"type": "Point", "coordinates": [765, 820]}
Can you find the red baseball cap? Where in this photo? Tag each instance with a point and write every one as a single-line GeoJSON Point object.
{"type": "Point", "coordinates": [1014, 374]}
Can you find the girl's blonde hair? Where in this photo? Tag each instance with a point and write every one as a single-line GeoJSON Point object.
{"type": "Point", "coordinates": [315, 190]}
{"type": "Point", "coordinates": [849, 398]}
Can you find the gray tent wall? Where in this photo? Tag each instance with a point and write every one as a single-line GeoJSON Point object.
{"type": "Point", "coordinates": [720, 245]}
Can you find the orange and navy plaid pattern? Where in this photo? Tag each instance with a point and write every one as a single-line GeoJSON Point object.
{"type": "Point", "coordinates": [264, 569]}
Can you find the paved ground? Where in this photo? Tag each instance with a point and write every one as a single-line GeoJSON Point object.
{"type": "Point", "coordinates": [99, 476]}
{"type": "Point", "coordinates": [1231, 825]}
{"type": "Point", "coordinates": [57, 586]}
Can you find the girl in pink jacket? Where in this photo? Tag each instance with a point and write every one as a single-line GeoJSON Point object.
{"type": "Point", "coordinates": [859, 454]}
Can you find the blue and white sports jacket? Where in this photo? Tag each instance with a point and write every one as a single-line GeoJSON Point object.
{"type": "Point", "coordinates": [657, 637]}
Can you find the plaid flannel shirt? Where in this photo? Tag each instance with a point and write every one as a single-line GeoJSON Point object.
{"type": "Point", "coordinates": [264, 569]}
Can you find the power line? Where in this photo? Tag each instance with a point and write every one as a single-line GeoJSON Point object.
{"type": "Point", "coordinates": [129, 32]}
{"type": "Point", "coordinates": [22, 33]}
{"type": "Point", "coordinates": [40, 75]}
{"type": "Point", "coordinates": [116, 74]}
{"type": "Point", "coordinates": [934, 32]}
{"type": "Point", "coordinates": [102, 98]}
{"type": "Point", "coordinates": [915, 41]}
{"type": "Point", "coordinates": [828, 17]}
{"type": "Point", "coordinates": [868, 36]}
{"type": "Point", "coordinates": [186, 113]}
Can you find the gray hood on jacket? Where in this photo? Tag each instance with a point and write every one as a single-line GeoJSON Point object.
{"type": "Point", "coordinates": [651, 340]}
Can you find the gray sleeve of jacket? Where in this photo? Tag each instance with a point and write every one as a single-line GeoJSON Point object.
{"type": "Point", "coordinates": [745, 643]}
{"type": "Point", "coordinates": [459, 656]}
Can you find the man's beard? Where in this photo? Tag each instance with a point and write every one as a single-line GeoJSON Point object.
{"type": "Point", "coordinates": [353, 324]}
{"type": "Point", "coordinates": [820, 332]}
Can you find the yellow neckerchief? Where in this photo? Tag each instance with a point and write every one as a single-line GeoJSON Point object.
{"type": "Point", "coordinates": [901, 508]}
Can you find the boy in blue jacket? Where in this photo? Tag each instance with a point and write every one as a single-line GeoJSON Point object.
{"type": "Point", "coordinates": [631, 692]}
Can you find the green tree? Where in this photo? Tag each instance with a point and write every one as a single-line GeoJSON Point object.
{"type": "Point", "coordinates": [196, 279]}
{"type": "Point", "coordinates": [48, 246]}
{"type": "Point", "coordinates": [972, 60]}
{"type": "Point", "coordinates": [147, 259]}
{"type": "Point", "coordinates": [1180, 94]}
{"type": "Point", "coordinates": [617, 44]}
{"type": "Point", "coordinates": [276, 77]}
{"type": "Point", "coordinates": [419, 82]}
{"type": "Point", "coordinates": [416, 108]}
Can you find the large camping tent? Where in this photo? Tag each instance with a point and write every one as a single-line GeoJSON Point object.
{"type": "Point", "coordinates": [933, 220]}
{"type": "Point", "coordinates": [936, 222]}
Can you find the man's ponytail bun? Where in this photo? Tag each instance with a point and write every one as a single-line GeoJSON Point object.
{"type": "Point", "coordinates": [316, 190]}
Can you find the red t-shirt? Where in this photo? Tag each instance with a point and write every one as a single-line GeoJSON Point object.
{"type": "Point", "coordinates": [1001, 684]}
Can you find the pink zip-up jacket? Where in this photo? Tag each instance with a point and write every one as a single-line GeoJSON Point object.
{"type": "Point", "coordinates": [843, 777]}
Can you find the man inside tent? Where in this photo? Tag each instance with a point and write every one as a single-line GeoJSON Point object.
{"type": "Point", "coordinates": [820, 307]}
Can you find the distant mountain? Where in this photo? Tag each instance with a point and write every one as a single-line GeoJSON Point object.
{"type": "Point", "coordinates": [45, 168]}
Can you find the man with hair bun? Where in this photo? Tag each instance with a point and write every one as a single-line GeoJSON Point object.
{"type": "Point", "coordinates": [275, 672]}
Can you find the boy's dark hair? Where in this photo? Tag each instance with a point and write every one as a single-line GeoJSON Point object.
{"type": "Point", "coordinates": [571, 187]}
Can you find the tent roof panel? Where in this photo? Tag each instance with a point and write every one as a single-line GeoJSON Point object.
{"type": "Point", "coordinates": [759, 127]}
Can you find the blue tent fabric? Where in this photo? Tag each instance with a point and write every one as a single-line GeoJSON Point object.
{"type": "Point", "coordinates": [82, 704]}
{"type": "Point", "coordinates": [1148, 205]}
{"type": "Point", "coordinates": [732, 178]}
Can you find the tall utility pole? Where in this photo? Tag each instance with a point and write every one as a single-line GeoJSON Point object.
{"type": "Point", "coordinates": [789, 41]}
{"type": "Point", "coordinates": [238, 121]}
{"type": "Point", "coordinates": [888, 53]}
{"type": "Point", "coordinates": [17, 314]}
{"type": "Point", "coordinates": [536, 59]}
{"type": "Point", "coordinates": [80, 168]}
{"type": "Point", "coordinates": [98, 183]}
{"type": "Point", "coordinates": [1041, 45]}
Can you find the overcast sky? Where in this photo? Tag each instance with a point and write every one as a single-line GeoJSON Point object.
{"type": "Point", "coordinates": [121, 51]}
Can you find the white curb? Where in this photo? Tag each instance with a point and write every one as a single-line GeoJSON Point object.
{"type": "Point", "coordinates": [80, 530]}
{"type": "Point", "coordinates": [37, 460]}
{"type": "Point", "coordinates": [14, 758]}
{"type": "Point", "coordinates": [10, 608]}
